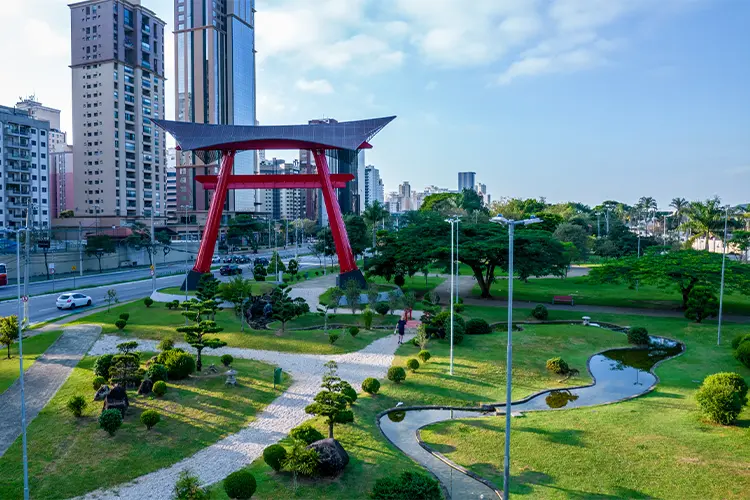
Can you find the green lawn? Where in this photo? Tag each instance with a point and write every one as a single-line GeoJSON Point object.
{"type": "Point", "coordinates": [643, 448]}
{"type": "Point", "coordinates": [416, 283]}
{"type": "Point", "coordinates": [158, 322]}
{"type": "Point", "coordinates": [259, 287]}
{"type": "Point", "coordinates": [646, 297]}
{"type": "Point", "coordinates": [33, 347]}
{"type": "Point", "coordinates": [70, 456]}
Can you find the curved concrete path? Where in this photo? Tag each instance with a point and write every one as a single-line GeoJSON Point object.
{"type": "Point", "coordinates": [43, 379]}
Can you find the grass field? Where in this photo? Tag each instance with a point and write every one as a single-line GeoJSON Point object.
{"type": "Point", "coordinates": [33, 347]}
{"type": "Point", "coordinates": [646, 297]}
{"type": "Point", "coordinates": [70, 456]}
{"type": "Point", "coordinates": [416, 284]}
{"type": "Point", "coordinates": [259, 287]}
{"type": "Point", "coordinates": [158, 322]}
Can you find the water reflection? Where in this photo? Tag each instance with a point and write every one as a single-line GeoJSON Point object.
{"type": "Point", "coordinates": [558, 399]}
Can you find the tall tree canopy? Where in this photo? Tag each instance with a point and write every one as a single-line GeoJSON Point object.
{"type": "Point", "coordinates": [246, 226]}
{"type": "Point", "coordinates": [356, 229]}
{"type": "Point", "coordinates": [441, 202]}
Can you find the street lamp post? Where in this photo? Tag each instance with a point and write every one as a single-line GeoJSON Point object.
{"type": "Point", "coordinates": [20, 362]}
{"type": "Point", "coordinates": [499, 219]}
{"type": "Point", "coordinates": [187, 270]}
{"type": "Point", "coordinates": [454, 224]}
{"type": "Point", "coordinates": [457, 265]}
{"type": "Point", "coordinates": [723, 262]}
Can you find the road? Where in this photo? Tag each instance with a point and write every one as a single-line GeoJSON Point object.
{"type": "Point", "coordinates": [42, 307]}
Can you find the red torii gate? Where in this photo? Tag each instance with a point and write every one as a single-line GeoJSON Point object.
{"type": "Point", "coordinates": [211, 142]}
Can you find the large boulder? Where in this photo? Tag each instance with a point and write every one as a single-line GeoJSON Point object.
{"type": "Point", "coordinates": [333, 456]}
{"type": "Point", "coordinates": [101, 393]}
{"type": "Point", "coordinates": [117, 399]}
{"type": "Point", "coordinates": [146, 387]}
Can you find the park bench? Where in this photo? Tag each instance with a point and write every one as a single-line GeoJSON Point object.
{"type": "Point", "coordinates": [563, 299]}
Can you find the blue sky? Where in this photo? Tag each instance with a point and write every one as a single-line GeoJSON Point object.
{"type": "Point", "coordinates": [566, 99]}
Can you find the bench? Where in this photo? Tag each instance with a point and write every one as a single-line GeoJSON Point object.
{"type": "Point", "coordinates": [562, 299]}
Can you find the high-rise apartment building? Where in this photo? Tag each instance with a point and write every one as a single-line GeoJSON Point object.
{"type": "Point", "coordinates": [373, 185]}
{"type": "Point", "coordinates": [466, 180]}
{"type": "Point", "coordinates": [117, 60]}
{"type": "Point", "coordinates": [25, 169]}
{"type": "Point", "coordinates": [215, 80]}
{"type": "Point", "coordinates": [171, 205]}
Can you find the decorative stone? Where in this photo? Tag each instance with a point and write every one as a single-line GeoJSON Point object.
{"type": "Point", "coordinates": [586, 320]}
{"type": "Point", "coordinates": [333, 456]}
{"type": "Point", "coordinates": [145, 387]}
{"type": "Point", "coordinates": [117, 399]}
{"type": "Point", "coordinates": [213, 369]}
{"type": "Point", "coordinates": [101, 393]}
{"type": "Point", "coordinates": [231, 377]}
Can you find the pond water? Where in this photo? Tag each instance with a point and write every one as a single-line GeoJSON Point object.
{"type": "Point", "coordinates": [617, 373]}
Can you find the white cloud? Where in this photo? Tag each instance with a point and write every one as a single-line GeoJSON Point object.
{"type": "Point", "coordinates": [314, 86]}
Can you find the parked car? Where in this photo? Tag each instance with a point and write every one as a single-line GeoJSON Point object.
{"type": "Point", "coordinates": [72, 300]}
{"type": "Point", "coordinates": [216, 259]}
{"type": "Point", "coordinates": [3, 275]}
{"type": "Point", "coordinates": [230, 270]}
{"type": "Point", "coordinates": [261, 260]}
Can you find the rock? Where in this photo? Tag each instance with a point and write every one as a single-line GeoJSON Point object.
{"type": "Point", "coordinates": [101, 393]}
{"type": "Point", "coordinates": [117, 399]}
{"type": "Point", "coordinates": [333, 457]}
{"type": "Point", "coordinates": [213, 369]}
{"type": "Point", "coordinates": [145, 387]}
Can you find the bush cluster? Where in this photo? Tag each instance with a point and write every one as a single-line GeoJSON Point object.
{"type": "Point", "coordinates": [98, 382]}
{"type": "Point", "coordinates": [348, 391]}
{"type": "Point", "coordinates": [159, 388]}
{"type": "Point", "coordinates": [110, 421]}
{"type": "Point", "coordinates": [477, 326]}
{"type": "Point", "coordinates": [102, 365]}
{"type": "Point", "coordinates": [396, 374]}
{"type": "Point", "coordinates": [371, 385]}
{"type": "Point", "coordinates": [175, 304]}
{"type": "Point", "coordinates": [226, 359]}
{"type": "Point", "coordinates": [424, 356]}
{"type": "Point", "coordinates": [412, 364]}
{"type": "Point", "coordinates": [721, 397]}
{"type": "Point", "coordinates": [408, 485]}
{"type": "Point", "coordinates": [353, 331]}
{"type": "Point", "coordinates": [148, 301]}
{"type": "Point", "coordinates": [179, 363]}
{"type": "Point", "coordinates": [150, 418]}
{"type": "Point", "coordinates": [165, 344]}
{"type": "Point", "coordinates": [382, 308]}
{"type": "Point", "coordinates": [540, 312]}
{"type": "Point", "coordinates": [742, 353]}
{"type": "Point", "coordinates": [306, 433]}
{"type": "Point", "coordinates": [120, 324]}
{"type": "Point", "coordinates": [76, 405]}
{"type": "Point", "coordinates": [125, 316]}
{"type": "Point", "coordinates": [367, 318]}
{"type": "Point", "coordinates": [558, 365]}
{"type": "Point", "coordinates": [274, 456]}
{"type": "Point", "coordinates": [332, 338]}
{"type": "Point", "coordinates": [240, 484]}
{"type": "Point", "coordinates": [638, 335]}
{"type": "Point", "coordinates": [157, 372]}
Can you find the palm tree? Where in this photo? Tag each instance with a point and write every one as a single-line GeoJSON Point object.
{"type": "Point", "coordinates": [704, 218]}
{"type": "Point", "coordinates": [373, 214]}
{"type": "Point", "coordinates": [680, 205]}
{"type": "Point", "coordinates": [648, 205]}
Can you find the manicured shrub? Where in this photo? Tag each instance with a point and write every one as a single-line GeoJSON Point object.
{"type": "Point", "coordinates": [98, 382]}
{"type": "Point", "coordinates": [540, 312]}
{"type": "Point", "coordinates": [702, 303]}
{"type": "Point", "coordinates": [367, 318]}
{"type": "Point", "coordinates": [175, 304]}
{"type": "Point", "coordinates": [396, 374]}
{"type": "Point", "coordinates": [188, 487]}
{"type": "Point", "coordinates": [125, 316]}
{"type": "Point", "coordinates": [165, 345]}
{"type": "Point", "coordinates": [353, 331]}
{"type": "Point", "coordinates": [150, 418]}
{"type": "Point", "coordinates": [382, 308]}
{"type": "Point", "coordinates": [226, 359]}
{"type": "Point", "coordinates": [240, 484]}
{"type": "Point", "coordinates": [332, 338]}
{"type": "Point", "coordinates": [738, 339]}
{"type": "Point", "coordinates": [412, 364]}
{"type": "Point", "coordinates": [274, 456]}
{"type": "Point", "coordinates": [148, 301]}
{"type": "Point", "coordinates": [371, 385]}
{"type": "Point", "coordinates": [120, 324]}
{"type": "Point", "coordinates": [157, 372]}
{"type": "Point", "coordinates": [458, 308]}
{"type": "Point", "coordinates": [721, 397]}
{"type": "Point", "coordinates": [159, 388]}
{"type": "Point", "coordinates": [348, 391]}
{"type": "Point", "coordinates": [424, 356]}
{"type": "Point", "coordinates": [638, 335]}
{"type": "Point", "coordinates": [399, 280]}
{"type": "Point", "coordinates": [102, 365]}
{"type": "Point", "coordinates": [179, 364]}
{"type": "Point", "coordinates": [408, 485]}
{"type": "Point", "coordinates": [344, 417]}
{"type": "Point", "coordinates": [742, 353]}
{"type": "Point", "coordinates": [110, 421]}
{"type": "Point", "coordinates": [476, 326]}
{"type": "Point", "coordinates": [558, 365]}
{"type": "Point", "coordinates": [306, 433]}
{"type": "Point", "coordinates": [76, 405]}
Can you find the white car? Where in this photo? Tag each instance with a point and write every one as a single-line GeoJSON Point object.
{"type": "Point", "coordinates": [72, 300]}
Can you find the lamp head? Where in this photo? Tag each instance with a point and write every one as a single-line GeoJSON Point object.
{"type": "Point", "coordinates": [499, 219]}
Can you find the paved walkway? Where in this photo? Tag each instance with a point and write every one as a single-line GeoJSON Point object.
{"type": "Point", "coordinates": [214, 463]}
{"type": "Point", "coordinates": [43, 379]}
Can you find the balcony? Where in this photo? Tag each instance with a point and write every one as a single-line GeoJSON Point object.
{"type": "Point", "coordinates": [15, 130]}
{"type": "Point", "coordinates": [16, 143]}
{"type": "Point", "coordinates": [128, 42]}
{"type": "Point", "coordinates": [146, 64]}
{"type": "Point", "coordinates": [145, 47]}
{"type": "Point", "coordinates": [146, 28]}
{"type": "Point", "coordinates": [128, 27]}
{"type": "Point", "coordinates": [13, 166]}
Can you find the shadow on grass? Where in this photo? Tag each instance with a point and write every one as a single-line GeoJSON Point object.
{"type": "Point", "coordinates": [565, 436]}
{"type": "Point", "coordinates": [526, 481]}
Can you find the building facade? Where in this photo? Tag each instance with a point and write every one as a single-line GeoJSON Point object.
{"type": "Point", "coordinates": [215, 80]}
{"type": "Point", "coordinates": [373, 186]}
{"type": "Point", "coordinates": [117, 61]}
{"type": "Point", "coordinates": [24, 170]}
{"type": "Point", "coordinates": [171, 205]}
{"type": "Point", "coordinates": [466, 180]}
{"type": "Point", "coordinates": [281, 204]}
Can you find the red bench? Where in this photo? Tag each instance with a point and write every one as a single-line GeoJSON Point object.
{"type": "Point", "coordinates": [563, 299]}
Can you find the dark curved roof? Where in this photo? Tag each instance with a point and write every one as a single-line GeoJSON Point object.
{"type": "Point", "coordinates": [206, 137]}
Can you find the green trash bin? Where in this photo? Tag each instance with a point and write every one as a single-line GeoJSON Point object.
{"type": "Point", "coordinates": [276, 377]}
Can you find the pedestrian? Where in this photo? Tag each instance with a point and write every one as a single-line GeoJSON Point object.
{"type": "Point", "coordinates": [401, 328]}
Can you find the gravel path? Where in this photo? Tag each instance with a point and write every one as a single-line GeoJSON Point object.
{"type": "Point", "coordinates": [214, 463]}
{"type": "Point", "coordinates": [42, 380]}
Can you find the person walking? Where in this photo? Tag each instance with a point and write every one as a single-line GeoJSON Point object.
{"type": "Point", "coordinates": [401, 328]}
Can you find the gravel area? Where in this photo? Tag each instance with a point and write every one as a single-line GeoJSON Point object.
{"type": "Point", "coordinates": [42, 380]}
{"type": "Point", "coordinates": [287, 411]}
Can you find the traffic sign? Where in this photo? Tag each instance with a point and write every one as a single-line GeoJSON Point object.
{"type": "Point", "coordinates": [72, 268]}
{"type": "Point", "coordinates": [52, 270]}
{"type": "Point", "coordinates": [152, 272]}
{"type": "Point", "coordinates": [43, 243]}
{"type": "Point", "coordinates": [25, 298]}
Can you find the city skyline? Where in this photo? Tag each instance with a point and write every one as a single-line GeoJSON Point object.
{"type": "Point", "coordinates": [626, 92]}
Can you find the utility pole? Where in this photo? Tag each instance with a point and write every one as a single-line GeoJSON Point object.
{"type": "Point", "coordinates": [80, 252]}
{"type": "Point", "coordinates": [151, 249]}
{"type": "Point", "coordinates": [26, 269]}
{"type": "Point", "coordinates": [598, 225]}
{"type": "Point", "coordinates": [723, 262]}
{"type": "Point", "coordinates": [20, 362]}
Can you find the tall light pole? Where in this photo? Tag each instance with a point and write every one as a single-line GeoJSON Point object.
{"type": "Point", "coordinates": [454, 223]}
{"type": "Point", "coordinates": [723, 262]}
{"type": "Point", "coordinates": [20, 361]}
{"type": "Point", "coordinates": [499, 219]}
{"type": "Point", "coordinates": [457, 265]}
{"type": "Point", "coordinates": [151, 249]}
{"type": "Point", "coordinates": [187, 269]}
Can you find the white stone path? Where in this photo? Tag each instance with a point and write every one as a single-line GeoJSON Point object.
{"type": "Point", "coordinates": [214, 463]}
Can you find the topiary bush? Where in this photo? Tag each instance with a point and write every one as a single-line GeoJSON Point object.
{"type": "Point", "coordinates": [76, 405]}
{"type": "Point", "coordinates": [540, 312]}
{"type": "Point", "coordinates": [226, 359]}
{"type": "Point", "coordinates": [180, 364]}
{"type": "Point", "coordinates": [348, 391]}
{"type": "Point", "coordinates": [150, 418]}
{"type": "Point", "coordinates": [274, 456]}
{"type": "Point", "coordinates": [476, 326]}
{"type": "Point", "coordinates": [175, 304]}
{"type": "Point", "coordinates": [240, 484]}
{"type": "Point", "coordinates": [558, 365]}
{"type": "Point", "coordinates": [125, 316]}
{"type": "Point", "coordinates": [353, 331]}
{"type": "Point", "coordinates": [721, 397]}
{"type": "Point", "coordinates": [458, 308]}
{"type": "Point", "coordinates": [407, 486]}
{"type": "Point", "coordinates": [382, 308]}
{"type": "Point", "coordinates": [412, 364]}
{"type": "Point", "coordinates": [367, 318]}
{"type": "Point", "coordinates": [332, 338]}
{"type": "Point", "coordinates": [306, 433]}
{"type": "Point", "coordinates": [638, 335]}
{"type": "Point", "coordinates": [742, 353]}
{"type": "Point", "coordinates": [102, 365]}
{"type": "Point", "coordinates": [110, 421]}
{"type": "Point", "coordinates": [165, 345]}
{"type": "Point", "coordinates": [157, 372]}
{"type": "Point", "coordinates": [396, 374]}
{"type": "Point", "coordinates": [159, 388]}
{"type": "Point", "coordinates": [98, 382]}
{"type": "Point", "coordinates": [371, 385]}
{"type": "Point", "coordinates": [424, 356]}
{"type": "Point", "coordinates": [738, 339]}
{"type": "Point", "coordinates": [120, 324]}
{"type": "Point", "coordinates": [148, 301]}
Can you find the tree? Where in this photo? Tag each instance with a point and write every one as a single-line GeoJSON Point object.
{"type": "Point", "coordinates": [374, 214]}
{"type": "Point", "coordinates": [575, 234]}
{"type": "Point", "coordinates": [286, 308]}
{"type": "Point", "coordinates": [621, 242]}
{"type": "Point", "coordinates": [259, 272]}
{"type": "Point", "coordinates": [325, 244]}
{"type": "Point", "coordinates": [207, 292]}
{"type": "Point", "coordinates": [8, 331]}
{"type": "Point", "coordinates": [471, 201]}
{"type": "Point", "coordinates": [702, 303]}
{"type": "Point", "coordinates": [705, 218]}
{"type": "Point", "coordinates": [443, 203]}
{"type": "Point", "coordinates": [336, 294]}
{"type": "Point", "coordinates": [196, 334]}
{"type": "Point", "coordinates": [683, 269]}
{"type": "Point", "coordinates": [330, 402]}
{"type": "Point", "coordinates": [239, 292]}
{"type": "Point", "coordinates": [246, 226]}
{"type": "Point", "coordinates": [680, 206]}
{"type": "Point", "coordinates": [356, 230]}
{"type": "Point", "coordinates": [276, 264]}
{"type": "Point", "coordinates": [293, 267]}
{"type": "Point", "coordinates": [549, 222]}
{"type": "Point", "coordinates": [111, 298]}
{"type": "Point", "coordinates": [741, 240]}
{"type": "Point", "coordinates": [140, 238]}
{"type": "Point", "coordinates": [353, 292]}
{"type": "Point", "coordinates": [98, 245]}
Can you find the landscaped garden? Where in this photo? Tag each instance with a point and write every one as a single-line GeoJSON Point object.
{"type": "Point", "coordinates": [33, 347]}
